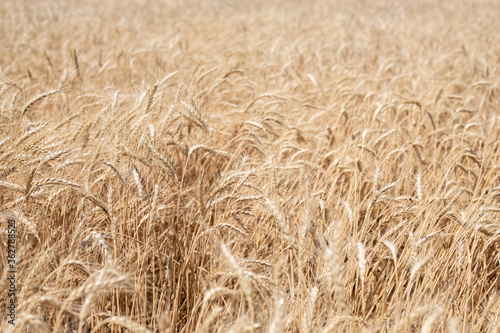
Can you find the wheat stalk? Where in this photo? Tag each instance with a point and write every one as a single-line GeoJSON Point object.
{"type": "Point", "coordinates": [36, 100]}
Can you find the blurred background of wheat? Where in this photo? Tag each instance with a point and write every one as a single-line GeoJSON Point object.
{"type": "Point", "coordinates": [250, 166]}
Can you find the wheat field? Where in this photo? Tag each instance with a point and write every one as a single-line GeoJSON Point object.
{"type": "Point", "coordinates": [251, 166]}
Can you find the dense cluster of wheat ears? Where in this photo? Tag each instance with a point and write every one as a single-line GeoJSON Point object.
{"type": "Point", "coordinates": [284, 166]}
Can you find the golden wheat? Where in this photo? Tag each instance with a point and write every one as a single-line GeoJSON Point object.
{"type": "Point", "coordinates": [236, 166]}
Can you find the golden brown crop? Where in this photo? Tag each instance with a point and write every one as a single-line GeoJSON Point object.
{"type": "Point", "coordinates": [239, 166]}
